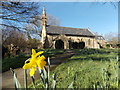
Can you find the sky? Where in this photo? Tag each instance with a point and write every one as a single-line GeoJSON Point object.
{"type": "Point", "coordinates": [99, 17]}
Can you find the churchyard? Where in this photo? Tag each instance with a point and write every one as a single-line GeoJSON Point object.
{"type": "Point", "coordinates": [80, 52]}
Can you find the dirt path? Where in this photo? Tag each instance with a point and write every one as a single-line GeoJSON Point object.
{"type": "Point", "coordinates": [7, 78]}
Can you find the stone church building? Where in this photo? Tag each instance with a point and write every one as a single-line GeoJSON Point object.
{"type": "Point", "coordinates": [58, 37]}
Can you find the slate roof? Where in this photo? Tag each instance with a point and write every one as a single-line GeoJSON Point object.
{"type": "Point", "coordinates": [68, 31]}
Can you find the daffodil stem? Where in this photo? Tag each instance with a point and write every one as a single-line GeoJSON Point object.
{"type": "Point", "coordinates": [16, 82]}
{"type": "Point", "coordinates": [41, 75]}
{"type": "Point", "coordinates": [13, 75]}
{"type": "Point", "coordinates": [33, 82]}
{"type": "Point", "coordinates": [48, 68]}
{"type": "Point", "coordinates": [54, 82]}
{"type": "Point", "coordinates": [25, 79]}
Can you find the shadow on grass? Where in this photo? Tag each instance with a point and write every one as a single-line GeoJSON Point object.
{"type": "Point", "coordinates": [93, 58]}
{"type": "Point", "coordinates": [95, 51]}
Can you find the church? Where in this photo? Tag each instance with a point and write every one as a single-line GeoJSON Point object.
{"type": "Point", "coordinates": [58, 37]}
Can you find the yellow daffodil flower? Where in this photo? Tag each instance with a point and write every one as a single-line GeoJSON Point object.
{"type": "Point", "coordinates": [35, 61]}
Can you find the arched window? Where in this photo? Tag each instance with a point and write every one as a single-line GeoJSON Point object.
{"type": "Point", "coordinates": [89, 42]}
{"type": "Point", "coordinates": [81, 39]}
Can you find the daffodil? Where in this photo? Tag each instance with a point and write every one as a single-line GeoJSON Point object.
{"type": "Point", "coordinates": [35, 61]}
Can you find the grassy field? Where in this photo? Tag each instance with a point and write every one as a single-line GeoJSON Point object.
{"type": "Point", "coordinates": [88, 68]}
{"type": "Point", "coordinates": [18, 61]}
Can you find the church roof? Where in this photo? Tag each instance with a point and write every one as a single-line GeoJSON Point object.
{"type": "Point", "coordinates": [69, 31]}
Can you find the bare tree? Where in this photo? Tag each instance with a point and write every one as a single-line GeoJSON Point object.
{"type": "Point", "coordinates": [16, 14]}
{"type": "Point", "coordinates": [35, 26]}
{"type": "Point", "coordinates": [16, 38]}
{"type": "Point", "coordinates": [112, 38]}
{"type": "Point", "coordinates": [113, 2]}
{"type": "Point", "coordinates": [52, 20]}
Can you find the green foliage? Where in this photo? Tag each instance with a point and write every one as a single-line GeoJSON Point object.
{"type": "Point", "coordinates": [13, 62]}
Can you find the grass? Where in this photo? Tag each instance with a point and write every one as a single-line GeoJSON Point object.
{"type": "Point", "coordinates": [90, 68]}
{"type": "Point", "coordinates": [18, 61]}
{"type": "Point", "coordinates": [88, 73]}
{"type": "Point", "coordinates": [53, 52]}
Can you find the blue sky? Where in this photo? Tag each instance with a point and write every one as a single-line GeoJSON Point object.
{"type": "Point", "coordinates": [98, 17]}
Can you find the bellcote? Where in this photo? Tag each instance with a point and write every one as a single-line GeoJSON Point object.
{"type": "Point", "coordinates": [44, 17]}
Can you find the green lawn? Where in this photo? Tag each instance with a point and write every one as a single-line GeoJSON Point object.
{"type": "Point", "coordinates": [89, 68]}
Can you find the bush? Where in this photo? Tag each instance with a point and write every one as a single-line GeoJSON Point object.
{"type": "Point", "coordinates": [13, 62]}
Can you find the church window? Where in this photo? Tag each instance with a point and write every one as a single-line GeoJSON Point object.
{"type": "Point", "coordinates": [89, 42]}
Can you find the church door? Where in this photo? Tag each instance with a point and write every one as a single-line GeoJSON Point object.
{"type": "Point", "coordinates": [81, 45]}
{"type": "Point", "coordinates": [59, 44]}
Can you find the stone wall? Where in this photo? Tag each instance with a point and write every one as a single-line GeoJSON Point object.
{"type": "Point", "coordinates": [90, 42]}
